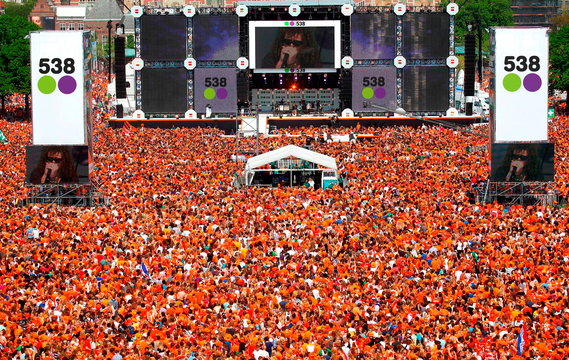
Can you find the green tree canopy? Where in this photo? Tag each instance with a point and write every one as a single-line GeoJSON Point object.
{"type": "Point", "coordinates": [559, 59]}
{"type": "Point", "coordinates": [24, 9]}
{"type": "Point", "coordinates": [488, 12]}
{"type": "Point", "coordinates": [15, 74]}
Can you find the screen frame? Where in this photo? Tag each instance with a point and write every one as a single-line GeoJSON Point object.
{"type": "Point", "coordinates": [336, 24]}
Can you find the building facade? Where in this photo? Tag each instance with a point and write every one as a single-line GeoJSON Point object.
{"type": "Point", "coordinates": [535, 12]}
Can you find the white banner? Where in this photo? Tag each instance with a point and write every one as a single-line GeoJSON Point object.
{"type": "Point", "coordinates": [521, 81]}
{"type": "Point", "coordinates": [58, 88]}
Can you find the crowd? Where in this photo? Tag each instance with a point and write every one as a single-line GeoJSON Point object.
{"type": "Point", "coordinates": [397, 264]}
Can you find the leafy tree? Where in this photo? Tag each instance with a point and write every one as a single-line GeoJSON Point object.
{"type": "Point", "coordinates": [560, 20]}
{"type": "Point", "coordinates": [486, 12]}
{"type": "Point", "coordinates": [15, 73]}
{"type": "Point", "coordinates": [559, 59]}
{"type": "Point", "coordinates": [24, 9]}
{"type": "Point", "coordinates": [129, 41]}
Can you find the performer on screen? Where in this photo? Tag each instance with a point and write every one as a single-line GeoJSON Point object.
{"type": "Point", "coordinates": [521, 163]}
{"type": "Point", "coordinates": [55, 166]}
{"type": "Point", "coordinates": [293, 48]}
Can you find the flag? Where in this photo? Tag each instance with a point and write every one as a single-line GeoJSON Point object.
{"type": "Point", "coordinates": [145, 272]}
{"type": "Point", "coordinates": [129, 126]}
{"type": "Point", "coordinates": [125, 132]}
{"type": "Point", "coordinates": [522, 340]}
{"type": "Point", "coordinates": [3, 139]}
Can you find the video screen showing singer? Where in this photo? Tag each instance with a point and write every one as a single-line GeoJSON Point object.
{"type": "Point", "coordinates": [521, 162]}
{"type": "Point", "coordinates": [56, 166]}
{"type": "Point", "coordinates": [293, 48]}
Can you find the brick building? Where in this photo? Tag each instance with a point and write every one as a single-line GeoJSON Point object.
{"type": "Point", "coordinates": [98, 17]}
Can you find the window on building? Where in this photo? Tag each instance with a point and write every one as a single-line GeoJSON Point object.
{"type": "Point", "coordinates": [104, 39]}
{"type": "Point", "coordinates": [62, 26]}
{"type": "Point", "coordinates": [80, 26]}
{"type": "Point", "coordinates": [72, 26]}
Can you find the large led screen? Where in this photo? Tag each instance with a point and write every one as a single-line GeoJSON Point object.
{"type": "Point", "coordinates": [373, 36]}
{"type": "Point", "coordinates": [294, 46]}
{"type": "Point", "coordinates": [163, 38]}
{"type": "Point", "coordinates": [519, 87]}
{"type": "Point", "coordinates": [57, 164]}
{"type": "Point", "coordinates": [216, 88]}
{"type": "Point", "coordinates": [164, 90]}
{"type": "Point", "coordinates": [426, 88]}
{"type": "Point", "coordinates": [216, 37]}
{"type": "Point", "coordinates": [522, 162]}
{"type": "Point", "coordinates": [374, 85]}
{"type": "Point", "coordinates": [426, 36]}
{"type": "Point", "coordinates": [60, 89]}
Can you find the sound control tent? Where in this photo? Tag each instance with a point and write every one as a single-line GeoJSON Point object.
{"type": "Point", "coordinates": [291, 166]}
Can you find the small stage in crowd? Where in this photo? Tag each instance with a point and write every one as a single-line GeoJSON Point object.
{"type": "Point", "coordinates": [283, 121]}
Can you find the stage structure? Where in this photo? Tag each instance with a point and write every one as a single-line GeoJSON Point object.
{"type": "Point", "coordinates": [290, 166]}
{"type": "Point", "coordinates": [60, 162]}
{"type": "Point", "coordinates": [210, 63]}
{"type": "Point", "coordinates": [521, 159]}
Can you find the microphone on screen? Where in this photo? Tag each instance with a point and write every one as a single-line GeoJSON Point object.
{"type": "Point", "coordinates": [285, 60]}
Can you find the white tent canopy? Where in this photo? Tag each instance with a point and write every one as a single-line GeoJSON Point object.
{"type": "Point", "coordinates": [288, 151]}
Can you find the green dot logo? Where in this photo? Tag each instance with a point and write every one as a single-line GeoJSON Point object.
{"type": "Point", "coordinates": [46, 84]}
{"type": "Point", "coordinates": [209, 93]}
{"type": "Point", "coordinates": [286, 23]}
{"type": "Point", "coordinates": [287, 70]}
{"type": "Point", "coordinates": [367, 93]}
{"type": "Point", "coordinates": [512, 82]}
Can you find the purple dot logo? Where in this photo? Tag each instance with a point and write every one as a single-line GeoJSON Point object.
{"type": "Point", "coordinates": [379, 93]}
{"type": "Point", "coordinates": [532, 82]}
{"type": "Point", "coordinates": [292, 23]}
{"type": "Point", "coordinates": [67, 84]}
{"type": "Point", "coordinates": [221, 93]}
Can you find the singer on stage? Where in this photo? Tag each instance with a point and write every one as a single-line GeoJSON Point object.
{"type": "Point", "coordinates": [55, 166]}
{"type": "Point", "coordinates": [521, 163]}
{"type": "Point", "coordinates": [293, 48]}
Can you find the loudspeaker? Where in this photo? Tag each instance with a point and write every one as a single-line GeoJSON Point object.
{"type": "Point", "coordinates": [346, 90]}
{"type": "Point", "coordinates": [243, 86]}
{"type": "Point", "coordinates": [469, 64]}
{"type": "Point", "coordinates": [120, 111]}
{"type": "Point", "coordinates": [119, 67]}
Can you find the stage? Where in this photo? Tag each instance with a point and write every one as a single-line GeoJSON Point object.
{"type": "Point", "coordinates": [230, 125]}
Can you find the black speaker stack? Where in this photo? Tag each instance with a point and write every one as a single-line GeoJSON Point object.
{"type": "Point", "coordinates": [120, 63]}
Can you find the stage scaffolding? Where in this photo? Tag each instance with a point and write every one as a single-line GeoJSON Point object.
{"type": "Point", "coordinates": [65, 194]}
{"type": "Point", "coordinates": [519, 193]}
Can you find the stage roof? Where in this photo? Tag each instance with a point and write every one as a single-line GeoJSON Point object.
{"type": "Point", "coordinates": [291, 150]}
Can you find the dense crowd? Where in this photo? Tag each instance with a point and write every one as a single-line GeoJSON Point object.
{"type": "Point", "coordinates": [397, 264]}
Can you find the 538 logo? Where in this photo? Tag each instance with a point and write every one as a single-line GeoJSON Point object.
{"type": "Point", "coordinates": [369, 82]}
{"type": "Point", "coordinates": [212, 82]}
{"type": "Point", "coordinates": [513, 82]}
{"type": "Point", "coordinates": [47, 83]}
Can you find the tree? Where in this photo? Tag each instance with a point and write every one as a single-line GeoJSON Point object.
{"type": "Point", "coordinates": [561, 20]}
{"type": "Point", "coordinates": [487, 13]}
{"type": "Point", "coordinates": [24, 9]}
{"type": "Point", "coordinates": [559, 59]}
{"type": "Point", "coordinates": [15, 73]}
{"type": "Point", "coordinates": [129, 41]}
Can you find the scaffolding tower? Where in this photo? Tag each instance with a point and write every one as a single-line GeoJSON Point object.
{"type": "Point", "coordinates": [65, 194]}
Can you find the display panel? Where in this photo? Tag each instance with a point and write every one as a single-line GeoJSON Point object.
{"type": "Point", "coordinates": [216, 37]}
{"type": "Point", "coordinates": [374, 85]}
{"type": "Point", "coordinates": [519, 91]}
{"type": "Point", "coordinates": [373, 36]}
{"type": "Point", "coordinates": [426, 88]}
{"type": "Point", "coordinates": [56, 164]}
{"type": "Point", "coordinates": [164, 90]}
{"type": "Point", "coordinates": [294, 46]}
{"type": "Point", "coordinates": [216, 87]}
{"type": "Point", "coordinates": [522, 162]}
{"type": "Point", "coordinates": [163, 37]}
{"type": "Point", "coordinates": [59, 93]}
{"type": "Point", "coordinates": [426, 36]}
{"type": "Point", "coordinates": [45, 22]}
